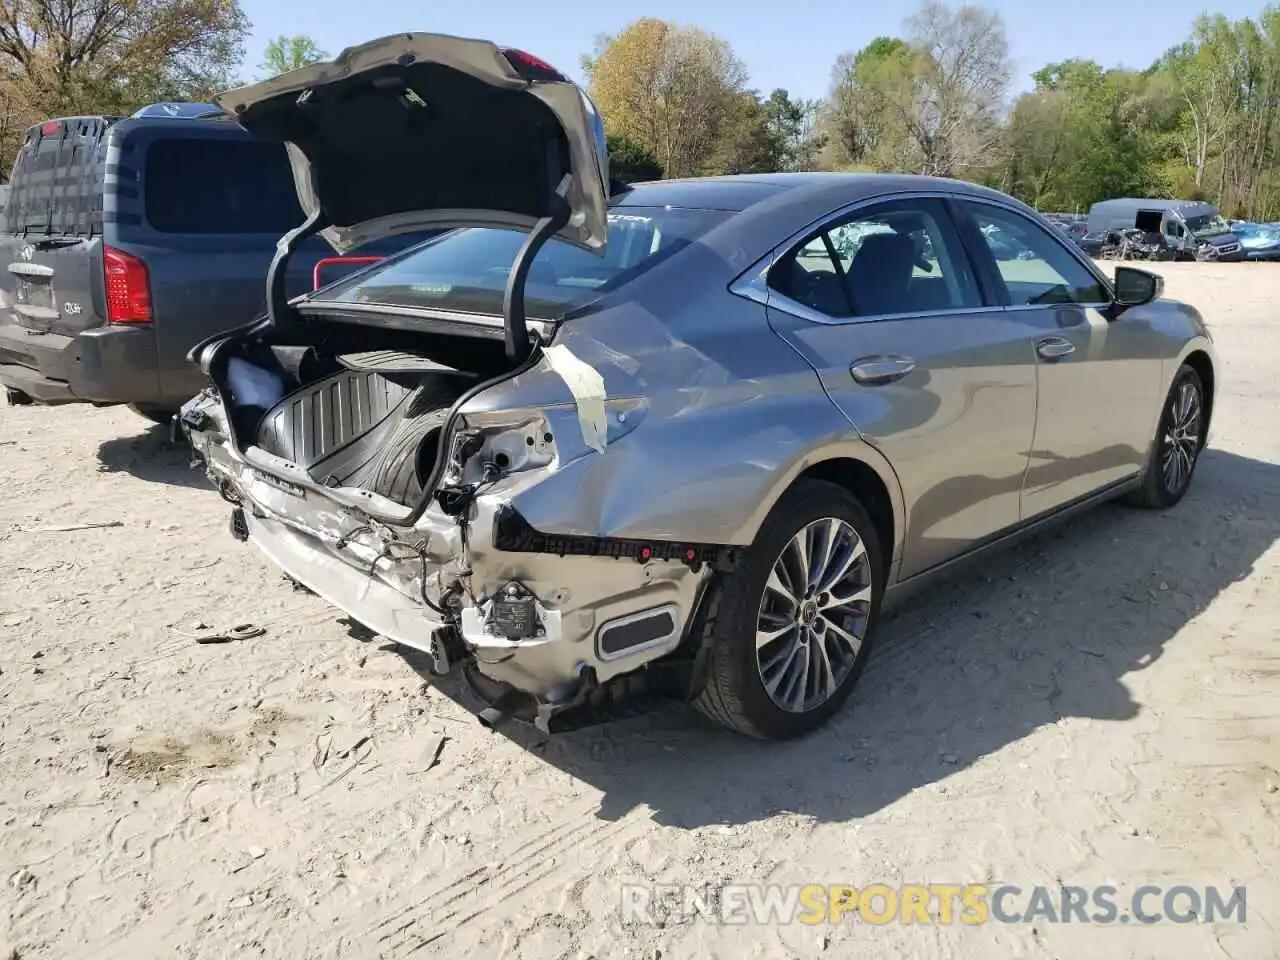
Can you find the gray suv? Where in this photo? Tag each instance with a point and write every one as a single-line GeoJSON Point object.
{"type": "Point", "coordinates": [126, 240]}
{"type": "Point", "coordinates": [598, 443]}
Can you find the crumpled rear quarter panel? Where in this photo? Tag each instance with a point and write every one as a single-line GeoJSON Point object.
{"type": "Point", "coordinates": [729, 408]}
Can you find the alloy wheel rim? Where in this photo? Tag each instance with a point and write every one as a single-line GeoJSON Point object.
{"type": "Point", "coordinates": [1181, 443]}
{"type": "Point", "coordinates": [813, 615]}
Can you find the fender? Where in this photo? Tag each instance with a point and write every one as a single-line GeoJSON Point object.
{"type": "Point", "coordinates": [852, 448]}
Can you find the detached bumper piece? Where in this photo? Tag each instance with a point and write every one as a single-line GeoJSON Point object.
{"type": "Point", "coordinates": [592, 703]}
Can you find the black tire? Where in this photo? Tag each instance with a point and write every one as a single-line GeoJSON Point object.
{"type": "Point", "coordinates": [406, 462]}
{"type": "Point", "coordinates": [160, 415]}
{"type": "Point", "coordinates": [734, 693]}
{"type": "Point", "coordinates": [1157, 491]}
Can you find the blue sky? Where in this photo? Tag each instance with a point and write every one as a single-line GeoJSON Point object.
{"type": "Point", "coordinates": [791, 44]}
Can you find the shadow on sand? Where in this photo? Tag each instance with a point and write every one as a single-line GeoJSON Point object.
{"type": "Point", "coordinates": [1046, 630]}
{"type": "Point", "coordinates": [151, 456]}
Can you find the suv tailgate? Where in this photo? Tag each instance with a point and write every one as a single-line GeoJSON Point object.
{"type": "Point", "coordinates": [51, 247]}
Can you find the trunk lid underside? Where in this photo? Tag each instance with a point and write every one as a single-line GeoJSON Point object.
{"type": "Point", "coordinates": [420, 131]}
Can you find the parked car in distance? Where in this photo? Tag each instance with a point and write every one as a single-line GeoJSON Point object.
{"type": "Point", "coordinates": [127, 240]}
{"type": "Point", "coordinates": [1260, 241]}
{"type": "Point", "coordinates": [1074, 229]}
{"type": "Point", "coordinates": [689, 436]}
{"type": "Point", "coordinates": [1096, 242]}
{"type": "Point", "coordinates": [1191, 230]}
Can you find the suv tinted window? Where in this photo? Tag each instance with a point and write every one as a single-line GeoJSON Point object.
{"type": "Point", "coordinates": [1035, 266]}
{"type": "Point", "coordinates": [898, 257]}
{"type": "Point", "coordinates": [203, 185]}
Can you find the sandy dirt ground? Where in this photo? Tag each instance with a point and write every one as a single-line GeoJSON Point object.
{"type": "Point", "coordinates": [1099, 705]}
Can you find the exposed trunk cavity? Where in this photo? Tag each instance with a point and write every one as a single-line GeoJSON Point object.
{"type": "Point", "coordinates": [360, 409]}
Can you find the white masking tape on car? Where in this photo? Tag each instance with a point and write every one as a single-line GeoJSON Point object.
{"type": "Point", "coordinates": [587, 386]}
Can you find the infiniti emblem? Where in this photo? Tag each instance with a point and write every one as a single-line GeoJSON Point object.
{"type": "Point", "coordinates": [27, 252]}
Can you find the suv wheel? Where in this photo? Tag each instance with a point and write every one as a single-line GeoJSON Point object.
{"type": "Point", "coordinates": [789, 634]}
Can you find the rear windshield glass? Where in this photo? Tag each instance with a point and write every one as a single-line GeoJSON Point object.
{"type": "Point", "coordinates": [202, 185]}
{"type": "Point", "coordinates": [56, 183]}
{"type": "Point", "coordinates": [466, 270]}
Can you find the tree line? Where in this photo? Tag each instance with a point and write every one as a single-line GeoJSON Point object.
{"type": "Point", "coordinates": [1201, 122]}
{"type": "Point", "coordinates": [110, 57]}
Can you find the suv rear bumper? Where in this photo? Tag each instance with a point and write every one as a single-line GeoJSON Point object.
{"type": "Point", "coordinates": [103, 365]}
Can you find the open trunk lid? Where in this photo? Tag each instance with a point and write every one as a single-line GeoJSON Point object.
{"type": "Point", "coordinates": [422, 131]}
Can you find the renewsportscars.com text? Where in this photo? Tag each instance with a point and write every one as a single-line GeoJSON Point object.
{"type": "Point", "coordinates": [936, 903]}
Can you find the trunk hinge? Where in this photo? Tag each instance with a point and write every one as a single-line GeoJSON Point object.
{"type": "Point", "coordinates": [277, 297]}
{"type": "Point", "coordinates": [515, 324]}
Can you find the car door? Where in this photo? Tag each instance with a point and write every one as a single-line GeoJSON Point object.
{"type": "Point", "coordinates": [885, 305]}
{"type": "Point", "coordinates": [1096, 381]}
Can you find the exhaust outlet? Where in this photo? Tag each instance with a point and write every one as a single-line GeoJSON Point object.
{"type": "Point", "coordinates": [499, 712]}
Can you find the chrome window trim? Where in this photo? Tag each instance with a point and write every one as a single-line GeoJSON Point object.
{"type": "Point", "coordinates": [752, 283]}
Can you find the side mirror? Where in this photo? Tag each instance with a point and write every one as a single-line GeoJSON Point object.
{"type": "Point", "coordinates": [1135, 287]}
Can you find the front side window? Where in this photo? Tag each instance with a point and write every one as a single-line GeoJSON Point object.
{"type": "Point", "coordinates": [1036, 268]}
{"type": "Point", "coordinates": [900, 257]}
{"type": "Point", "coordinates": [466, 270]}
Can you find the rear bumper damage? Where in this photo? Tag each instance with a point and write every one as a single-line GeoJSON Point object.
{"type": "Point", "coordinates": [546, 630]}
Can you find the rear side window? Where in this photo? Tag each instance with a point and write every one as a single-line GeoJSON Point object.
{"type": "Point", "coordinates": [202, 185]}
{"type": "Point", "coordinates": [56, 185]}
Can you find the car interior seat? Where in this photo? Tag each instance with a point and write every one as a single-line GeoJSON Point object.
{"type": "Point", "coordinates": [879, 276]}
{"type": "Point", "coordinates": [819, 289]}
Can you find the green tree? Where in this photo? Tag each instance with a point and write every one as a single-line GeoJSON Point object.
{"type": "Point", "coordinates": [676, 91]}
{"type": "Point", "coordinates": [630, 161]}
{"type": "Point", "coordinates": [749, 142]}
{"type": "Point", "coordinates": [1080, 136]}
{"type": "Point", "coordinates": [61, 57]}
{"type": "Point", "coordinates": [284, 54]}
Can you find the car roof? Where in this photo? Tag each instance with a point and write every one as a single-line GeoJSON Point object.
{"type": "Point", "coordinates": [738, 192]}
{"type": "Point", "coordinates": [1148, 203]}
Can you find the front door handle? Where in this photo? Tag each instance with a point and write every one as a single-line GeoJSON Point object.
{"type": "Point", "coordinates": [1055, 348]}
{"type": "Point", "coordinates": [874, 371]}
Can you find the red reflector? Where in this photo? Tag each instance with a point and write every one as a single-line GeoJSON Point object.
{"type": "Point", "coordinates": [531, 67]}
{"type": "Point", "coordinates": [128, 287]}
{"type": "Point", "coordinates": [51, 126]}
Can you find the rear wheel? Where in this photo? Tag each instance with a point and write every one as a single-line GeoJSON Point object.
{"type": "Point", "coordinates": [792, 629]}
{"type": "Point", "coordinates": [1179, 439]}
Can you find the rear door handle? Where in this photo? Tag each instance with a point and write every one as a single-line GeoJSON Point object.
{"type": "Point", "coordinates": [1055, 348]}
{"type": "Point", "coordinates": [874, 371]}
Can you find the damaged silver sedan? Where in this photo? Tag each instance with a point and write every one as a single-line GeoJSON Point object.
{"type": "Point", "coordinates": [596, 443]}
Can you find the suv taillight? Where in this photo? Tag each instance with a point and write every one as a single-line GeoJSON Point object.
{"type": "Point", "coordinates": [128, 287]}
